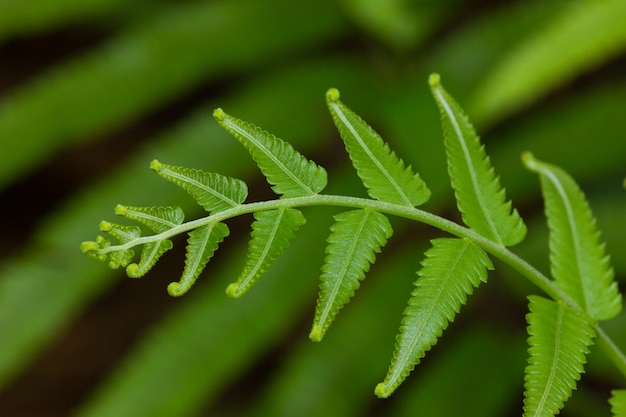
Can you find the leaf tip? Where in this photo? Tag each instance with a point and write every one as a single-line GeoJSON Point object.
{"type": "Point", "coordinates": [155, 165]}
{"type": "Point", "coordinates": [332, 94]}
{"type": "Point", "coordinates": [434, 79]}
{"type": "Point", "coordinates": [132, 271]}
{"type": "Point", "coordinates": [219, 114]}
{"type": "Point", "coordinates": [120, 210]}
{"type": "Point", "coordinates": [316, 334]}
{"type": "Point", "coordinates": [529, 161]}
{"type": "Point", "coordinates": [381, 390]}
{"type": "Point", "coordinates": [176, 290]}
{"type": "Point", "coordinates": [105, 226]}
{"type": "Point", "coordinates": [233, 290]}
{"type": "Point", "coordinates": [89, 247]}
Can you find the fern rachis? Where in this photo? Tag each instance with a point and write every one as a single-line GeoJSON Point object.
{"type": "Point", "coordinates": [582, 294]}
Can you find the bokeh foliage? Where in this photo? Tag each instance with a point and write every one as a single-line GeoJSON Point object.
{"type": "Point", "coordinates": [78, 131]}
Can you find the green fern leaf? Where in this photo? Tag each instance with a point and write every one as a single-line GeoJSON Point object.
{"type": "Point", "coordinates": [150, 254]}
{"type": "Point", "coordinates": [355, 238]}
{"type": "Point", "coordinates": [577, 257]}
{"type": "Point", "coordinates": [559, 340]}
{"type": "Point", "coordinates": [382, 172]}
{"type": "Point", "coordinates": [201, 246]}
{"type": "Point", "coordinates": [212, 191]}
{"type": "Point", "coordinates": [480, 198]}
{"type": "Point", "coordinates": [618, 403]}
{"type": "Point", "coordinates": [272, 232]}
{"type": "Point", "coordinates": [159, 219]}
{"type": "Point", "coordinates": [450, 271]}
{"type": "Point", "coordinates": [288, 171]}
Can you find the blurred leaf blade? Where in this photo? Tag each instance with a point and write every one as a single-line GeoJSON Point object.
{"type": "Point", "coordinates": [123, 80]}
{"type": "Point", "coordinates": [583, 35]}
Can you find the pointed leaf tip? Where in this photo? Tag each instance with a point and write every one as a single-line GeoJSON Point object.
{"type": "Point", "coordinates": [174, 290]}
{"type": "Point", "coordinates": [219, 114]}
{"type": "Point", "coordinates": [316, 334]}
{"type": "Point", "coordinates": [381, 390]}
{"type": "Point", "coordinates": [332, 94]}
{"type": "Point", "coordinates": [233, 290]}
{"type": "Point", "coordinates": [434, 79]}
{"type": "Point", "coordinates": [155, 165]}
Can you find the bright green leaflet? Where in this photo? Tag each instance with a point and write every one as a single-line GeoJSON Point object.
{"type": "Point", "coordinates": [577, 257]}
{"type": "Point", "coordinates": [479, 196]}
{"type": "Point", "coordinates": [559, 341]}
{"type": "Point", "coordinates": [451, 270]}
{"type": "Point", "coordinates": [272, 232]}
{"type": "Point", "coordinates": [355, 238]}
{"type": "Point", "coordinates": [382, 172]}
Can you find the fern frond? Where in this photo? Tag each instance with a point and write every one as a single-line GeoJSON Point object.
{"type": "Point", "coordinates": [288, 171]}
{"type": "Point", "coordinates": [272, 232]}
{"type": "Point", "coordinates": [150, 254]}
{"type": "Point", "coordinates": [214, 192]}
{"type": "Point", "coordinates": [559, 340]}
{"type": "Point", "coordinates": [578, 260]}
{"type": "Point", "coordinates": [382, 172]}
{"type": "Point", "coordinates": [355, 238]}
{"type": "Point", "coordinates": [159, 219]}
{"type": "Point", "coordinates": [480, 197]}
{"type": "Point", "coordinates": [201, 246]}
{"type": "Point", "coordinates": [451, 270]}
{"type": "Point", "coordinates": [618, 403]}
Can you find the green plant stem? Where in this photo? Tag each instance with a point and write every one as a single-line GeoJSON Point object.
{"type": "Point", "coordinates": [410, 213]}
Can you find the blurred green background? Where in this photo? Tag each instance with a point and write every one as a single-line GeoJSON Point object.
{"type": "Point", "coordinates": [91, 91]}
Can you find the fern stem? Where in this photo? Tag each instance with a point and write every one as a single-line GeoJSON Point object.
{"type": "Point", "coordinates": [411, 213]}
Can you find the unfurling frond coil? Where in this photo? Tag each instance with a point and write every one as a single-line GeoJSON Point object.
{"type": "Point", "coordinates": [212, 191]}
{"type": "Point", "coordinates": [288, 171]}
{"type": "Point", "coordinates": [451, 270]}
{"type": "Point", "coordinates": [480, 198]}
{"type": "Point", "coordinates": [272, 232]}
{"type": "Point", "coordinates": [355, 238]}
{"type": "Point", "coordinates": [559, 341]}
{"type": "Point", "coordinates": [201, 246]}
{"type": "Point", "coordinates": [382, 172]}
{"type": "Point", "coordinates": [577, 258]}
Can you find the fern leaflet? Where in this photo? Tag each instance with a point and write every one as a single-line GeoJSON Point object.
{"type": "Point", "coordinates": [559, 341]}
{"type": "Point", "coordinates": [212, 191]}
{"type": "Point", "coordinates": [272, 232]}
{"type": "Point", "coordinates": [159, 219]}
{"type": "Point", "coordinates": [355, 238]}
{"type": "Point", "coordinates": [480, 198]}
{"type": "Point", "coordinates": [202, 244]}
{"type": "Point", "coordinates": [288, 171]}
{"type": "Point", "coordinates": [450, 271]}
{"type": "Point", "coordinates": [618, 403]}
{"type": "Point", "coordinates": [382, 172]}
{"type": "Point", "coordinates": [577, 258]}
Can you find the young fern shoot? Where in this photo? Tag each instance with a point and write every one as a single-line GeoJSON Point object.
{"type": "Point", "coordinates": [561, 328]}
